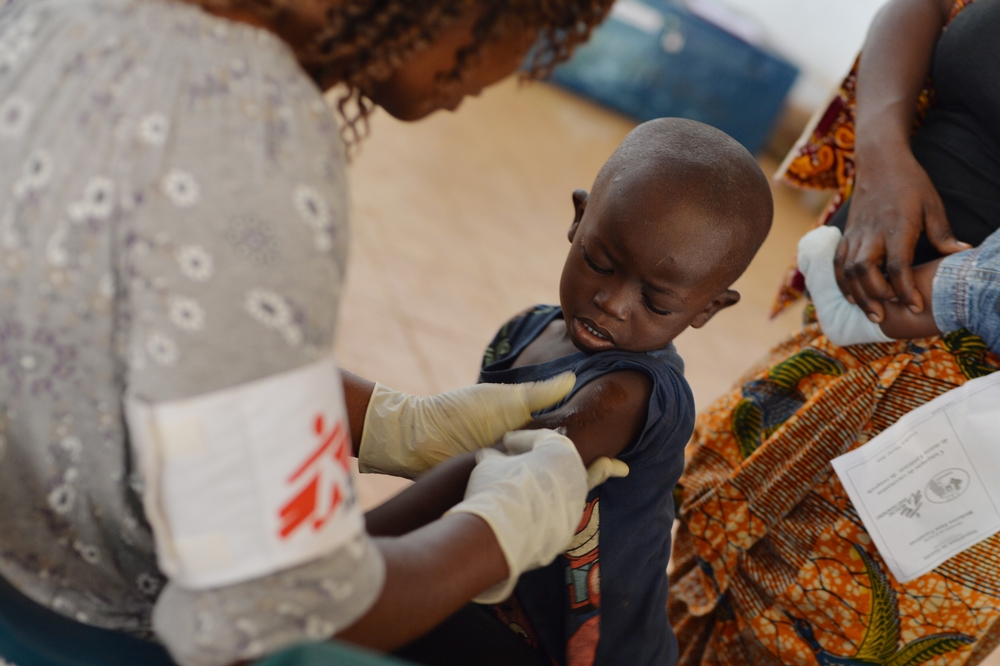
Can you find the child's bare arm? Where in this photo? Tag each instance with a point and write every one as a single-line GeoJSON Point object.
{"type": "Point", "coordinates": [604, 416]}
{"type": "Point", "coordinates": [847, 324]}
{"type": "Point", "coordinates": [425, 501]}
{"type": "Point", "coordinates": [900, 322]}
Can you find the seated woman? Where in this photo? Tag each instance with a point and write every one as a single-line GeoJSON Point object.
{"type": "Point", "coordinates": [772, 563]}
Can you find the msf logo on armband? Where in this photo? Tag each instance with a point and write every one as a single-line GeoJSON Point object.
{"type": "Point", "coordinates": [318, 482]}
{"type": "Point", "coordinates": [250, 480]}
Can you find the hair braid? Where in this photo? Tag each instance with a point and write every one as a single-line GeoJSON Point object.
{"type": "Point", "coordinates": [364, 41]}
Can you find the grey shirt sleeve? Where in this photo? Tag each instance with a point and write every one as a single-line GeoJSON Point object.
{"type": "Point", "coordinates": [175, 224]}
{"type": "Point", "coordinates": [246, 621]}
{"type": "Point", "coordinates": [229, 278]}
{"type": "Point", "coordinates": [230, 270]}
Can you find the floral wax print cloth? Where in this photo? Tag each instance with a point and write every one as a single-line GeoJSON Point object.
{"type": "Point", "coordinates": [173, 221]}
{"type": "Point", "coordinates": [823, 159]}
{"type": "Point", "coordinates": [772, 564]}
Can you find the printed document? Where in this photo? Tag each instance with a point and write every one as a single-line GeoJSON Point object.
{"type": "Point", "coordinates": [928, 487]}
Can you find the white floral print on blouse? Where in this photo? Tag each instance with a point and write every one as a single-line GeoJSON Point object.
{"type": "Point", "coordinates": [175, 223]}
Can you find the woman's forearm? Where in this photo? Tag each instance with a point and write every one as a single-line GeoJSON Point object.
{"type": "Point", "coordinates": [357, 394]}
{"type": "Point", "coordinates": [894, 201]}
{"type": "Point", "coordinates": [430, 574]}
{"type": "Point", "coordinates": [425, 501]}
{"type": "Point", "coordinates": [894, 64]}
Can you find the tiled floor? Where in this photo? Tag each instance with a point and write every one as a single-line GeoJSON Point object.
{"type": "Point", "coordinates": [460, 221]}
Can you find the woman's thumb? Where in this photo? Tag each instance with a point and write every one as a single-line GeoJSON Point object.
{"type": "Point", "coordinates": [549, 392]}
{"type": "Point", "coordinates": [939, 231]}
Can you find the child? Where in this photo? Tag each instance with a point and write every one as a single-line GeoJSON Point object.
{"type": "Point", "coordinates": [673, 219]}
{"type": "Point", "coordinates": [961, 291]}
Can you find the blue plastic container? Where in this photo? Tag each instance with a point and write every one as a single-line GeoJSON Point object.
{"type": "Point", "coordinates": [658, 59]}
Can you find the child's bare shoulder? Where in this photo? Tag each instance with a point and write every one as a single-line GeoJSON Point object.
{"type": "Point", "coordinates": [605, 415]}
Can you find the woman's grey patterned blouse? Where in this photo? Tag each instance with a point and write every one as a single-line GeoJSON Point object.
{"type": "Point", "coordinates": [173, 221]}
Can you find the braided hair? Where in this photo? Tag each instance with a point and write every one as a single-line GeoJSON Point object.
{"type": "Point", "coordinates": [363, 41]}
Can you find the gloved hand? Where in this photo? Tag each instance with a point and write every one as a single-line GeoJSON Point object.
{"type": "Point", "coordinates": [843, 322]}
{"type": "Point", "coordinates": [603, 469]}
{"type": "Point", "coordinates": [406, 435]}
{"type": "Point", "coordinates": [532, 498]}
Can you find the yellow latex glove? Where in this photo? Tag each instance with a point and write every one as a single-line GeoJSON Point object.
{"type": "Point", "coordinates": [532, 497]}
{"type": "Point", "coordinates": [406, 435]}
{"type": "Point", "coordinates": [603, 469]}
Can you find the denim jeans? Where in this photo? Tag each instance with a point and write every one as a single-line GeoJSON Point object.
{"type": "Point", "coordinates": [967, 292]}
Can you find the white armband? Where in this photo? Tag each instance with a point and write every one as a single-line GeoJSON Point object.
{"type": "Point", "coordinates": [247, 481]}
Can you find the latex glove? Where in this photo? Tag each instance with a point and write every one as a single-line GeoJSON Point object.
{"type": "Point", "coordinates": [406, 435]}
{"type": "Point", "coordinates": [842, 322]}
{"type": "Point", "coordinates": [605, 468]}
{"type": "Point", "coordinates": [532, 498]}
{"type": "Point", "coordinates": [600, 470]}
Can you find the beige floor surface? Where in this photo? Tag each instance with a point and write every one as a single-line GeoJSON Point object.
{"type": "Point", "coordinates": [460, 221]}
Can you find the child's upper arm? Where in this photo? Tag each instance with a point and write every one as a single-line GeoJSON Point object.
{"type": "Point", "coordinates": [604, 416]}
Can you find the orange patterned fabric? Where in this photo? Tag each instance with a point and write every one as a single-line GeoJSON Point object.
{"type": "Point", "coordinates": [823, 159]}
{"type": "Point", "coordinates": [772, 564]}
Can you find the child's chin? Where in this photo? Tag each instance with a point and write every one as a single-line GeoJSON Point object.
{"type": "Point", "coordinates": [585, 349]}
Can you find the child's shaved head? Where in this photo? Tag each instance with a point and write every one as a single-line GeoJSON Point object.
{"type": "Point", "coordinates": [674, 219]}
{"type": "Point", "coordinates": [698, 166]}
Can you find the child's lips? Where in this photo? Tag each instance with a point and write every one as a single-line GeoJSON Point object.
{"type": "Point", "coordinates": [591, 335]}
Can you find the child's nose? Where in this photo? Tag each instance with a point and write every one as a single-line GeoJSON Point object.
{"type": "Point", "coordinates": [612, 302]}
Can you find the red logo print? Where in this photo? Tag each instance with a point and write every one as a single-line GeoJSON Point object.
{"type": "Point", "coordinates": [319, 498]}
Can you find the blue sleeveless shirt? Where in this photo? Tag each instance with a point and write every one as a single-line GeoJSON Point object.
{"type": "Point", "coordinates": [604, 601]}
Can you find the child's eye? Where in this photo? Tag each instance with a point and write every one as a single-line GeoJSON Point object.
{"type": "Point", "coordinates": [653, 308]}
{"type": "Point", "coordinates": [594, 267]}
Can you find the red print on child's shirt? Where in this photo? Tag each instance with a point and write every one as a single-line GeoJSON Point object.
{"type": "Point", "coordinates": [318, 500]}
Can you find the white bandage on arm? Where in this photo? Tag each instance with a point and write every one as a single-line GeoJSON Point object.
{"type": "Point", "coordinates": [247, 481]}
{"type": "Point", "coordinates": [843, 322]}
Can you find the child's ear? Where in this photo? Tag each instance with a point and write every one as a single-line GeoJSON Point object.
{"type": "Point", "coordinates": [579, 205]}
{"type": "Point", "coordinates": [724, 300]}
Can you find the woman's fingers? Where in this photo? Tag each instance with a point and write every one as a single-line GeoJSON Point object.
{"type": "Point", "coordinates": [939, 231]}
{"type": "Point", "coordinates": [899, 267]}
{"type": "Point", "coordinates": [605, 468]}
{"type": "Point", "coordinates": [863, 274]}
{"type": "Point", "coordinates": [902, 242]}
{"type": "Point", "coordinates": [889, 211]}
{"type": "Point", "coordinates": [548, 392]}
{"type": "Point", "coordinates": [839, 259]}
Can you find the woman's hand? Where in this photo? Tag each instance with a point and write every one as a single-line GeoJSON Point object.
{"type": "Point", "coordinates": [519, 512]}
{"type": "Point", "coordinates": [404, 435]}
{"type": "Point", "coordinates": [532, 498]}
{"type": "Point", "coordinates": [894, 200]}
{"type": "Point", "coordinates": [894, 203]}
